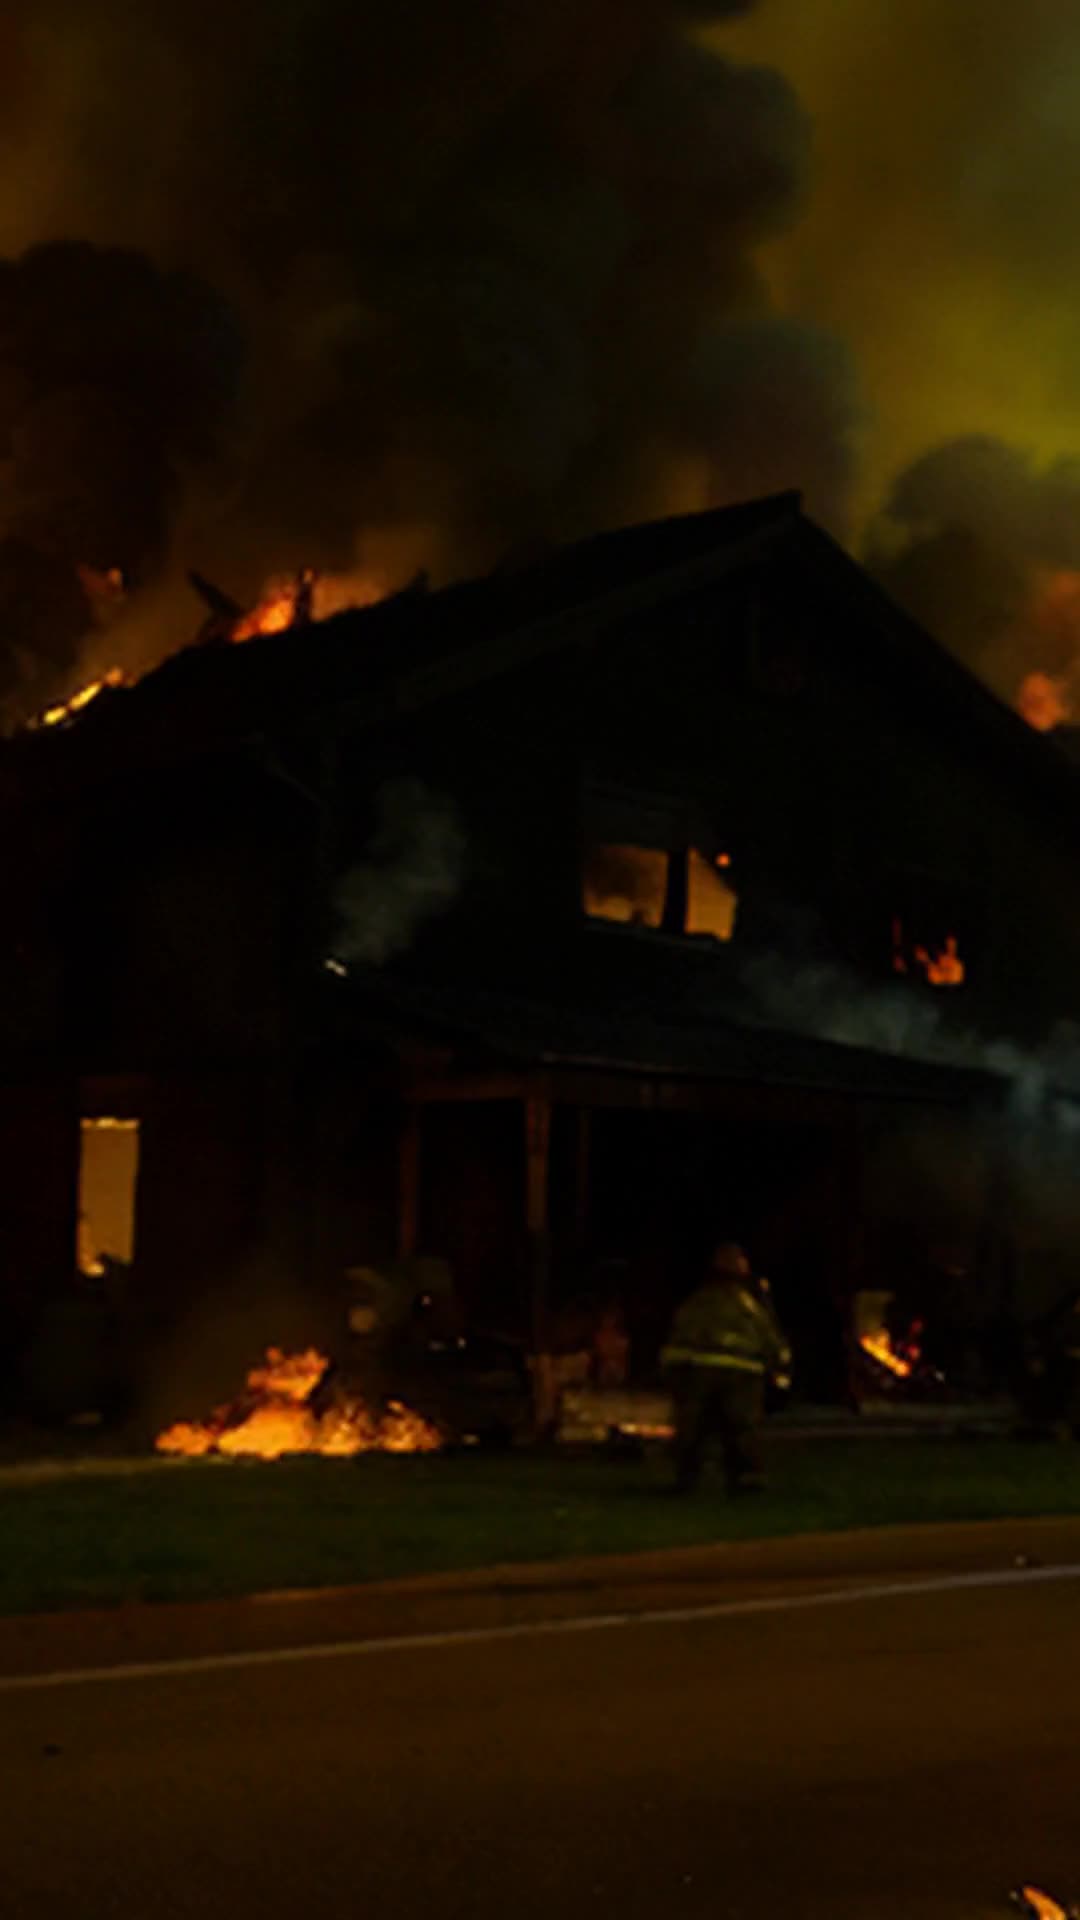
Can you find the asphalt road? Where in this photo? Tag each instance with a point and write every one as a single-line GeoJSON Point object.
{"type": "Point", "coordinates": [915, 1755]}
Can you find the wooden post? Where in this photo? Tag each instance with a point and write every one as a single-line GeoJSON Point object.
{"type": "Point", "coordinates": [582, 1160]}
{"type": "Point", "coordinates": [850, 1250]}
{"type": "Point", "coordinates": [408, 1229]}
{"type": "Point", "coordinates": [537, 1158]}
{"type": "Point", "coordinates": [677, 892]}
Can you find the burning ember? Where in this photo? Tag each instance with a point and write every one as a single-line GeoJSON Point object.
{"type": "Point", "coordinates": [277, 1415]}
{"type": "Point", "coordinates": [67, 709]}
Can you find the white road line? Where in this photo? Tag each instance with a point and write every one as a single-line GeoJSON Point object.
{"type": "Point", "coordinates": [534, 1629]}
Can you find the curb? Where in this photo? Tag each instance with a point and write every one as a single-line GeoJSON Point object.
{"type": "Point", "coordinates": [527, 1595]}
{"type": "Point", "coordinates": [638, 1618]}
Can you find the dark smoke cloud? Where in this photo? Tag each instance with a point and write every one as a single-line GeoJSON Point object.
{"type": "Point", "coordinates": [997, 491]}
{"type": "Point", "coordinates": [980, 543]}
{"type": "Point", "coordinates": [777, 404]}
{"type": "Point", "coordinates": [939, 235]}
{"type": "Point", "coordinates": [114, 378]}
{"type": "Point", "coordinates": [731, 138]}
{"type": "Point", "coordinates": [495, 265]}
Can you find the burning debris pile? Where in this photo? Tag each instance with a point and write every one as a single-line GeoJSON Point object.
{"type": "Point", "coordinates": [898, 1358]}
{"type": "Point", "coordinates": [292, 1405]}
{"type": "Point", "coordinates": [892, 1358]}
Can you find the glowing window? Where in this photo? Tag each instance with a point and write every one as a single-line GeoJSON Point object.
{"type": "Point", "coordinates": [711, 899]}
{"type": "Point", "coordinates": [627, 884]}
{"type": "Point", "coordinates": [108, 1175]}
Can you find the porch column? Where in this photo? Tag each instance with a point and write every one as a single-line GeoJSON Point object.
{"type": "Point", "coordinates": [850, 1243]}
{"type": "Point", "coordinates": [537, 1158]}
{"type": "Point", "coordinates": [582, 1161]}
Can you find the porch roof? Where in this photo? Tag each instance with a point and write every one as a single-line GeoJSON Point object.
{"type": "Point", "coordinates": [482, 1028]}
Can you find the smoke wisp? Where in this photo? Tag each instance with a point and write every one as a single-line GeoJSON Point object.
{"type": "Point", "coordinates": [415, 871]}
{"type": "Point", "coordinates": [827, 1001]}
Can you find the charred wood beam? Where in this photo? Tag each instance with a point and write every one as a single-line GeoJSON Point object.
{"type": "Point", "coordinates": [304, 599]}
{"type": "Point", "coordinates": [537, 1112]}
{"type": "Point", "coordinates": [221, 605]}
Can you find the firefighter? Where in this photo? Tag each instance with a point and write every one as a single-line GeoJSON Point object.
{"type": "Point", "coordinates": [724, 1341]}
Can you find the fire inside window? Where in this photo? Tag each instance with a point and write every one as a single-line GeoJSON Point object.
{"type": "Point", "coordinates": [940, 964]}
{"type": "Point", "coordinates": [632, 886]}
{"type": "Point", "coordinates": [108, 1176]}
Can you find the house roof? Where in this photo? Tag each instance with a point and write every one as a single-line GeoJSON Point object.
{"type": "Point", "coordinates": [954, 698]}
{"type": "Point", "coordinates": [407, 650]}
{"type": "Point", "coordinates": [416, 647]}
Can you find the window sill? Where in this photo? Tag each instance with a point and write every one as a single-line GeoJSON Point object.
{"type": "Point", "coordinates": [653, 936]}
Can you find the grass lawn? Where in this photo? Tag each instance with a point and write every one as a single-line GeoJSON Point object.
{"type": "Point", "coordinates": [198, 1529]}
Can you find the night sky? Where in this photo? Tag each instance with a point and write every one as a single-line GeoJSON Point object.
{"type": "Point", "coordinates": [374, 286]}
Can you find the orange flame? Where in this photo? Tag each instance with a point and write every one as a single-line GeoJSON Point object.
{"type": "Point", "coordinates": [274, 1417]}
{"type": "Point", "coordinates": [293, 599]}
{"type": "Point", "coordinates": [944, 969]}
{"type": "Point", "coordinates": [66, 709]}
{"type": "Point", "coordinates": [1048, 629]}
{"type": "Point", "coordinates": [1043, 700]}
{"type": "Point", "coordinates": [276, 610]}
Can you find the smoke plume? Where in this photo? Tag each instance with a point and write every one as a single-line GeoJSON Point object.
{"type": "Point", "coordinates": [828, 1001]}
{"type": "Point", "coordinates": [938, 241]}
{"type": "Point", "coordinates": [351, 283]}
{"type": "Point", "coordinates": [114, 379]}
{"type": "Point", "coordinates": [939, 235]}
{"type": "Point", "coordinates": [982, 545]}
{"type": "Point", "coordinates": [414, 873]}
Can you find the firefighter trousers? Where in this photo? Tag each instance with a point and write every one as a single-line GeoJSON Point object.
{"type": "Point", "coordinates": [721, 1402]}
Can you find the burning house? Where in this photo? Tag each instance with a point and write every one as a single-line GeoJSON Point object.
{"type": "Point", "coordinates": [671, 884]}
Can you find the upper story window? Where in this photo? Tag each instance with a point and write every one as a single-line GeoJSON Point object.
{"type": "Point", "coordinates": [626, 883]}
{"type": "Point", "coordinates": [642, 868]}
